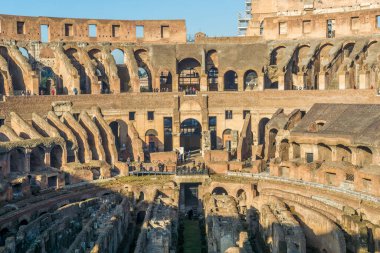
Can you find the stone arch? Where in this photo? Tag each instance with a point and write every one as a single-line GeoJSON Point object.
{"type": "Point", "coordinates": [348, 48]}
{"type": "Point", "coordinates": [219, 191]}
{"type": "Point", "coordinates": [4, 233]}
{"type": "Point", "coordinates": [96, 56]}
{"type": "Point", "coordinates": [15, 72]}
{"type": "Point", "coordinates": [364, 156]}
{"type": "Point", "coordinates": [84, 80]}
{"type": "Point", "coordinates": [17, 160]}
{"type": "Point", "coordinates": [230, 81]}
{"type": "Point", "coordinates": [37, 158]}
{"type": "Point", "coordinates": [250, 80]}
{"type": "Point", "coordinates": [144, 70]}
{"type": "Point", "coordinates": [56, 156]}
{"type": "Point", "coordinates": [227, 139]}
{"type": "Point", "coordinates": [262, 127]}
{"type": "Point", "coordinates": [191, 134]}
{"type": "Point", "coordinates": [48, 81]}
{"type": "Point", "coordinates": [343, 153]}
{"type": "Point", "coordinates": [276, 55]}
{"type": "Point", "coordinates": [189, 70]}
{"type": "Point", "coordinates": [284, 150]}
{"type": "Point", "coordinates": [166, 81]}
{"type": "Point", "coordinates": [212, 60]}
{"type": "Point", "coordinates": [122, 69]}
{"type": "Point", "coordinates": [151, 140]}
{"type": "Point", "coordinates": [324, 152]}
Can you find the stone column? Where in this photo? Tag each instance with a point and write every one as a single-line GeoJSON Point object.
{"type": "Point", "coordinates": [175, 82]}
{"type": "Point", "coordinates": [27, 160]}
{"type": "Point", "coordinates": [364, 80]}
{"type": "Point", "coordinates": [260, 82]}
{"type": "Point", "coordinates": [220, 82]}
{"type": "Point", "coordinates": [47, 159]}
{"type": "Point", "coordinates": [240, 82]}
{"type": "Point", "coordinates": [203, 84]}
{"type": "Point", "coordinates": [342, 80]}
{"type": "Point", "coordinates": [322, 81]}
{"type": "Point", "coordinates": [281, 82]}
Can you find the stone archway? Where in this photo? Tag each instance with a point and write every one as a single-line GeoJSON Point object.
{"type": "Point", "coordinates": [191, 135]}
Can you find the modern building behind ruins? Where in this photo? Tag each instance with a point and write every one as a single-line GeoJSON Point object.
{"type": "Point", "coordinates": [121, 136]}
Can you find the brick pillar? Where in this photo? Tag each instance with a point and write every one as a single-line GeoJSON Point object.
{"type": "Point", "coordinates": [220, 82]}
{"type": "Point", "coordinates": [364, 80]}
{"type": "Point", "coordinates": [260, 82]}
{"type": "Point", "coordinates": [175, 82]}
{"type": "Point", "coordinates": [27, 160]}
{"type": "Point", "coordinates": [322, 81]}
{"type": "Point", "coordinates": [342, 80]}
{"type": "Point", "coordinates": [203, 85]}
{"type": "Point", "coordinates": [281, 82]}
{"type": "Point", "coordinates": [47, 159]}
{"type": "Point", "coordinates": [240, 82]}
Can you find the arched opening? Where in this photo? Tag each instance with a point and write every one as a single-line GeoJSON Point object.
{"type": "Point", "coordinates": [122, 69]}
{"type": "Point", "coordinates": [17, 160]}
{"type": "Point", "coordinates": [23, 223]}
{"type": "Point", "coordinates": [144, 80]}
{"type": "Point", "coordinates": [3, 91]}
{"type": "Point", "coordinates": [191, 134]}
{"type": "Point", "coordinates": [272, 143]}
{"type": "Point", "coordinates": [219, 191]}
{"type": "Point", "coordinates": [189, 78]}
{"type": "Point", "coordinates": [48, 81]}
{"type": "Point", "coordinates": [230, 81]}
{"type": "Point", "coordinates": [103, 79]}
{"type": "Point", "coordinates": [324, 152]}
{"type": "Point", "coordinates": [296, 150]}
{"type": "Point", "coordinates": [4, 233]}
{"type": "Point", "coordinates": [364, 156]}
{"type": "Point", "coordinates": [166, 81]}
{"type": "Point", "coordinates": [122, 142]}
{"type": "Point", "coordinates": [284, 150]}
{"type": "Point", "coordinates": [227, 139]}
{"type": "Point", "coordinates": [343, 153]}
{"type": "Point", "coordinates": [37, 159]}
{"type": "Point", "coordinates": [262, 124]}
{"type": "Point", "coordinates": [24, 52]}
{"type": "Point", "coordinates": [16, 73]}
{"type": "Point", "coordinates": [276, 55]}
{"type": "Point", "coordinates": [212, 79]}
{"type": "Point", "coordinates": [241, 194]}
{"type": "Point", "coordinates": [144, 73]}
{"type": "Point", "coordinates": [151, 140]}
{"type": "Point", "coordinates": [84, 80]}
{"type": "Point", "coordinates": [141, 197]}
{"type": "Point", "coordinates": [250, 80]}
{"type": "Point", "coordinates": [212, 63]}
{"type": "Point", "coordinates": [56, 155]}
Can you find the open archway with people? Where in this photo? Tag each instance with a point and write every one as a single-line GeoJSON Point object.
{"type": "Point", "coordinates": [123, 146]}
{"type": "Point", "coordinates": [144, 70]}
{"type": "Point", "coordinates": [191, 135]}
{"type": "Point", "coordinates": [189, 75]}
{"type": "Point", "coordinates": [166, 81]}
{"type": "Point", "coordinates": [250, 80]}
{"type": "Point", "coordinates": [84, 80]}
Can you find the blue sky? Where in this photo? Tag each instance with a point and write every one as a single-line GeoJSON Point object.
{"type": "Point", "coordinates": [214, 17]}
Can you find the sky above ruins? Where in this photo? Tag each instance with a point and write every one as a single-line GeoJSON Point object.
{"type": "Point", "coordinates": [214, 17]}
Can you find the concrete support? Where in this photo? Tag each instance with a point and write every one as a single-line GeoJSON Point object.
{"type": "Point", "coordinates": [241, 83]}
{"type": "Point", "coordinates": [364, 80]}
{"type": "Point", "coordinates": [260, 82]}
{"type": "Point", "coordinates": [322, 81]}
{"type": "Point", "coordinates": [342, 80]}
{"type": "Point", "coordinates": [47, 159]}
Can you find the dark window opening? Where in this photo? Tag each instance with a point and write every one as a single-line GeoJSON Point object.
{"type": "Point", "coordinates": [245, 113]}
{"type": "Point", "coordinates": [115, 31]}
{"type": "Point", "coordinates": [69, 30]}
{"type": "Point", "coordinates": [150, 115]}
{"type": "Point", "coordinates": [228, 114]}
{"type": "Point", "coordinates": [309, 157]}
{"type": "Point", "coordinates": [132, 116]}
{"type": "Point", "coordinates": [20, 27]}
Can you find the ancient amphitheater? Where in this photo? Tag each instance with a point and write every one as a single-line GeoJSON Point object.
{"type": "Point", "coordinates": [122, 136]}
